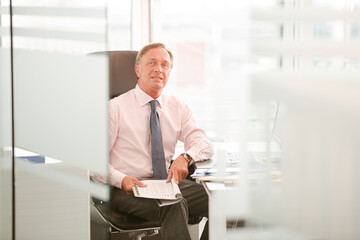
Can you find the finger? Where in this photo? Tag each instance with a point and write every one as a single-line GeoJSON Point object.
{"type": "Point", "coordinates": [128, 189]}
{"type": "Point", "coordinates": [176, 177]}
{"type": "Point", "coordinates": [169, 176]}
{"type": "Point", "coordinates": [141, 184]}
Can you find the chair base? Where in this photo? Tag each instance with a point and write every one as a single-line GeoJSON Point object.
{"type": "Point", "coordinates": [140, 235]}
{"type": "Point", "coordinates": [148, 235]}
{"type": "Point", "coordinates": [104, 232]}
{"type": "Point", "coordinates": [104, 224]}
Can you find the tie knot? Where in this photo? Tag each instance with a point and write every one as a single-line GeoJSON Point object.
{"type": "Point", "coordinates": [153, 104]}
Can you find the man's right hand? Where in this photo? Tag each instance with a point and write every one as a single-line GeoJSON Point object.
{"type": "Point", "coordinates": [128, 182]}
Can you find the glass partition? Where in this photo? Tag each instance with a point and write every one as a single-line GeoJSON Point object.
{"type": "Point", "coordinates": [6, 205]}
{"type": "Point", "coordinates": [53, 112]}
{"type": "Point", "coordinates": [235, 61]}
{"type": "Point", "coordinates": [60, 114]}
{"type": "Point", "coordinates": [314, 191]}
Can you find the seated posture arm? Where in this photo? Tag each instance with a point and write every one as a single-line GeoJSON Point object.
{"type": "Point", "coordinates": [130, 138]}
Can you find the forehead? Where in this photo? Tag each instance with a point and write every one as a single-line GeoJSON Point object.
{"type": "Point", "coordinates": [156, 53]}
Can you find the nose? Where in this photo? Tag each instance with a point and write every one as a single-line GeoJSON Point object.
{"type": "Point", "coordinates": [158, 68]}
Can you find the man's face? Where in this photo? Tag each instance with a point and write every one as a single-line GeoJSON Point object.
{"type": "Point", "coordinates": [153, 71]}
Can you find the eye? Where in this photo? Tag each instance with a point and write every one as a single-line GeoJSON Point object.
{"type": "Point", "coordinates": [151, 63]}
{"type": "Point", "coordinates": [166, 65]}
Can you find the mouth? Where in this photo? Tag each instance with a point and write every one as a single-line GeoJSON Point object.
{"type": "Point", "coordinates": [157, 78]}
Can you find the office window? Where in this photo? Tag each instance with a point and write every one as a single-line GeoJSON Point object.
{"type": "Point", "coordinates": [210, 41]}
{"type": "Point", "coordinates": [119, 24]}
{"type": "Point", "coordinates": [355, 30]}
{"type": "Point", "coordinates": [333, 4]}
{"type": "Point", "coordinates": [53, 26]}
{"type": "Point", "coordinates": [339, 31]}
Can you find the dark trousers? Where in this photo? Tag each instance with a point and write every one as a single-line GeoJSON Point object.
{"type": "Point", "coordinates": [173, 218]}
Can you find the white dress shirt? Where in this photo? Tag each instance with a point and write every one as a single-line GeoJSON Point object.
{"type": "Point", "coordinates": [129, 134]}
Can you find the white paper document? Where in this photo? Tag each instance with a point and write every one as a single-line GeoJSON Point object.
{"type": "Point", "coordinates": [165, 193]}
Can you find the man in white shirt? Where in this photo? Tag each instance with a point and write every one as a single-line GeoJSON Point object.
{"type": "Point", "coordinates": [131, 152]}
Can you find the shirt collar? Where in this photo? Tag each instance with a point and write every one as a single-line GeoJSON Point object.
{"type": "Point", "coordinates": [143, 98]}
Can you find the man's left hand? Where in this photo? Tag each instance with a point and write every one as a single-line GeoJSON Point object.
{"type": "Point", "coordinates": [178, 170]}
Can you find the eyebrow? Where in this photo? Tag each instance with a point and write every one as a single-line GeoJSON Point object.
{"type": "Point", "coordinates": [150, 59]}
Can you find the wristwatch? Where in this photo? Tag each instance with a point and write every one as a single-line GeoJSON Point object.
{"type": "Point", "coordinates": [187, 157]}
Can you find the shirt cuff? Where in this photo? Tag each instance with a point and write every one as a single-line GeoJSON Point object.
{"type": "Point", "coordinates": [198, 157]}
{"type": "Point", "coordinates": [116, 178]}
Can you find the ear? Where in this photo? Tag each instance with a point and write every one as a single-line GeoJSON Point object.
{"type": "Point", "coordinates": [137, 70]}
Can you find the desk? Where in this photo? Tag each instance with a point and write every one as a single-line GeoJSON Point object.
{"type": "Point", "coordinates": [257, 164]}
{"type": "Point", "coordinates": [212, 186]}
{"type": "Point", "coordinates": [230, 204]}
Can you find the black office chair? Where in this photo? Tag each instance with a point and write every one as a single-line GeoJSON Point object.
{"type": "Point", "coordinates": [106, 223]}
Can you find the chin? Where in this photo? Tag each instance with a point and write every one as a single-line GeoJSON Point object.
{"type": "Point", "coordinates": [159, 85]}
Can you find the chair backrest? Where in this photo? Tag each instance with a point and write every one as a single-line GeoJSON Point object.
{"type": "Point", "coordinates": [122, 74]}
